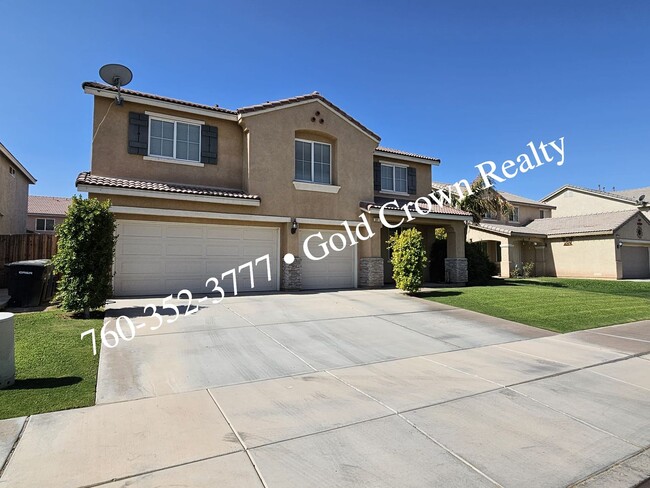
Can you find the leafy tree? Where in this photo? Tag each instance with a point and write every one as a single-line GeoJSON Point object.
{"type": "Point", "coordinates": [409, 258]}
{"type": "Point", "coordinates": [479, 267]}
{"type": "Point", "coordinates": [84, 259]}
{"type": "Point", "coordinates": [482, 201]}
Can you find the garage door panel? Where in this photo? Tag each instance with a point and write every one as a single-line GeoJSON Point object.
{"type": "Point", "coordinates": [184, 231]}
{"type": "Point", "coordinates": [636, 262]}
{"type": "Point", "coordinates": [141, 248]}
{"type": "Point", "coordinates": [337, 270]}
{"type": "Point", "coordinates": [142, 230]}
{"type": "Point", "coordinates": [184, 256]}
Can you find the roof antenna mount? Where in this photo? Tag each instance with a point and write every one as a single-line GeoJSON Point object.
{"type": "Point", "coordinates": [118, 76]}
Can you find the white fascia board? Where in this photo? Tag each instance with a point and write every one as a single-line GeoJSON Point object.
{"type": "Point", "coordinates": [339, 223]}
{"type": "Point", "coordinates": [16, 163]}
{"type": "Point", "coordinates": [130, 192]}
{"type": "Point", "coordinates": [160, 103]}
{"type": "Point", "coordinates": [166, 212]}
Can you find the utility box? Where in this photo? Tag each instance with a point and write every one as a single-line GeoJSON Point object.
{"type": "Point", "coordinates": [28, 282]}
{"type": "Point", "coordinates": [7, 358]}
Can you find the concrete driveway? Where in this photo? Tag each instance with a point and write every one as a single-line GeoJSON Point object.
{"type": "Point", "coordinates": [347, 389]}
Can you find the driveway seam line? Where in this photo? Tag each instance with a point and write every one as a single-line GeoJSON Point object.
{"type": "Point", "coordinates": [276, 341]}
{"type": "Point", "coordinates": [14, 446]}
{"type": "Point", "coordinates": [620, 380]}
{"type": "Point", "coordinates": [620, 462]}
{"type": "Point", "coordinates": [381, 317]}
{"type": "Point", "coordinates": [566, 414]}
{"type": "Point", "coordinates": [622, 337]}
{"type": "Point", "coordinates": [241, 441]}
{"type": "Point", "coordinates": [398, 414]}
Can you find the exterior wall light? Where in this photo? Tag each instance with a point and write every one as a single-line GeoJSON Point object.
{"type": "Point", "coordinates": [294, 226]}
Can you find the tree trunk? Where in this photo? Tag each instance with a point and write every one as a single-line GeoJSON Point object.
{"type": "Point", "coordinates": [86, 312]}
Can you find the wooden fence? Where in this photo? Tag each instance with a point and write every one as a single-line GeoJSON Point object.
{"type": "Point", "coordinates": [23, 247]}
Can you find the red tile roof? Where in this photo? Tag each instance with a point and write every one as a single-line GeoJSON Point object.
{"type": "Point", "coordinates": [404, 153]}
{"type": "Point", "coordinates": [435, 209]}
{"type": "Point", "coordinates": [92, 180]}
{"type": "Point", "coordinates": [48, 205]}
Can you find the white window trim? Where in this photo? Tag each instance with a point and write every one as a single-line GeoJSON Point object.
{"type": "Point", "coordinates": [173, 118]}
{"type": "Point", "coordinates": [320, 187]}
{"type": "Point", "coordinates": [395, 165]}
{"type": "Point", "coordinates": [161, 159]}
{"type": "Point", "coordinates": [513, 215]}
{"type": "Point", "coordinates": [312, 162]}
{"type": "Point", "coordinates": [44, 229]}
{"type": "Point", "coordinates": [166, 159]}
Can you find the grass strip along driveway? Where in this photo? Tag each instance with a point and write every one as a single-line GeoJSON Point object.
{"type": "Point", "coordinates": [55, 370]}
{"type": "Point", "coordinates": [560, 305]}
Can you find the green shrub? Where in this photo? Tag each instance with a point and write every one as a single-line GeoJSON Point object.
{"type": "Point", "coordinates": [84, 259]}
{"type": "Point", "coordinates": [409, 258]}
{"type": "Point", "coordinates": [528, 269]}
{"type": "Point", "coordinates": [479, 267]}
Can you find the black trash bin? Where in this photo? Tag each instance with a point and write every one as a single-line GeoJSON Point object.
{"type": "Point", "coordinates": [28, 282]}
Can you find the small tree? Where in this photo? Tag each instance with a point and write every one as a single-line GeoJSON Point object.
{"type": "Point", "coordinates": [84, 259]}
{"type": "Point", "coordinates": [409, 258]}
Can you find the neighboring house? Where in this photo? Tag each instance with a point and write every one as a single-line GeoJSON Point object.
{"type": "Point", "coordinates": [14, 190]}
{"type": "Point", "coordinates": [603, 244]}
{"type": "Point", "coordinates": [198, 190]}
{"type": "Point", "coordinates": [45, 213]}
{"type": "Point", "coordinates": [574, 200]}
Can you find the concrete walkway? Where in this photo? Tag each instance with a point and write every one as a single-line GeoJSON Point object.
{"type": "Point", "coordinates": [347, 389]}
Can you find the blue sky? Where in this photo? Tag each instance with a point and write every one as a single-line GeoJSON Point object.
{"type": "Point", "coordinates": [466, 81]}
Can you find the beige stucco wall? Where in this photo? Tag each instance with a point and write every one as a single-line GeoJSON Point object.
{"type": "Point", "coordinates": [110, 156]}
{"type": "Point", "coordinates": [270, 165]}
{"type": "Point", "coordinates": [14, 192]}
{"type": "Point", "coordinates": [571, 202]}
{"type": "Point", "coordinates": [587, 257]}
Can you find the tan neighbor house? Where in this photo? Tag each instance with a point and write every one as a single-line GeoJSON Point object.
{"type": "Point", "coordinates": [45, 213]}
{"type": "Point", "coordinates": [198, 190]}
{"type": "Point", "coordinates": [608, 242]}
{"type": "Point", "coordinates": [575, 200]}
{"type": "Point", "coordinates": [14, 191]}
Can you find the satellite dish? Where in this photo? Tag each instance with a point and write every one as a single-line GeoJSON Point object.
{"type": "Point", "coordinates": [116, 75]}
{"type": "Point", "coordinates": [641, 198]}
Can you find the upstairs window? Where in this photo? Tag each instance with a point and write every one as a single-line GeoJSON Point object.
{"type": "Point", "coordinates": [174, 140]}
{"type": "Point", "coordinates": [12, 171]}
{"type": "Point", "coordinates": [44, 224]}
{"type": "Point", "coordinates": [394, 178]}
{"type": "Point", "coordinates": [313, 162]}
{"type": "Point", "coordinates": [513, 216]}
{"type": "Point", "coordinates": [542, 214]}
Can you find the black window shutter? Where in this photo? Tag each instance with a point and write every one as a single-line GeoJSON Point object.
{"type": "Point", "coordinates": [377, 179]}
{"type": "Point", "coordinates": [412, 183]}
{"type": "Point", "coordinates": [209, 139]}
{"type": "Point", "coordinates": [138, 133]}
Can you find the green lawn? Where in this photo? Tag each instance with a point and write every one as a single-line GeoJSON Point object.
{"type": "Point", "coordinates": [55, 369]}
{"type": "Point", "coordinates": [561, 305]}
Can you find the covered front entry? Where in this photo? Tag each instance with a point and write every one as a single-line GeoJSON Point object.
{"type": "Point", "coordinates": [165, 257]}
{"type": "Point", "coordinates": [636, 262]}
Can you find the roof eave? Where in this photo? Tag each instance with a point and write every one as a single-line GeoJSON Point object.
{"type": "Point", "coordinates": [16, 163]}
{"type": "Point", "coordinates": [171, 105]}
{"type": "Point", "coordinates": [401, 157]}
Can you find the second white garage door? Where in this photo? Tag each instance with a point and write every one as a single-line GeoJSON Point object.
{"type": "Point", "coordinates": [636, 262]}
{"type": "Point", "coordinates": [337, 270]}
{"type": "Point", "coordinates": [154, 258]}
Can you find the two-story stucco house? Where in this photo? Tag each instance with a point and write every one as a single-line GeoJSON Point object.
{"type": "Point", "coordinates": [599, 237]}
{"type": "Point", "coordinates": [14, 191]}
{"type": "Point", "coordinates": [198, 190]}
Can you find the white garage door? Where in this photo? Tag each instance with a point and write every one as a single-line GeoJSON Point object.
{"type": "Point", "coordinates": [636, 262]}
{"type": "Point", "coordinates": [153, 258]}
{"type": "Point", "coordinates": [337, 270]}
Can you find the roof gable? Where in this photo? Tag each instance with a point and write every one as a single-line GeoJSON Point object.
{"type": "Point", "coordinates": [16, 163]}
{"type": "Point", "coordinates": [587, 191]}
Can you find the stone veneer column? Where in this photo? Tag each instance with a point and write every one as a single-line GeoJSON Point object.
{"type": "Point", "coordinates": [292, 275]}
{"type": "Point", "coordinates": [371, 272]}
{"type": "Point", "coordinates": [456, 270]}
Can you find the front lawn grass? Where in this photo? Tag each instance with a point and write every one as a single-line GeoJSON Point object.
{"type": "Point", "coordinates": [557, 304]}
{"type": "Point", "coordinates": [55, 369]}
